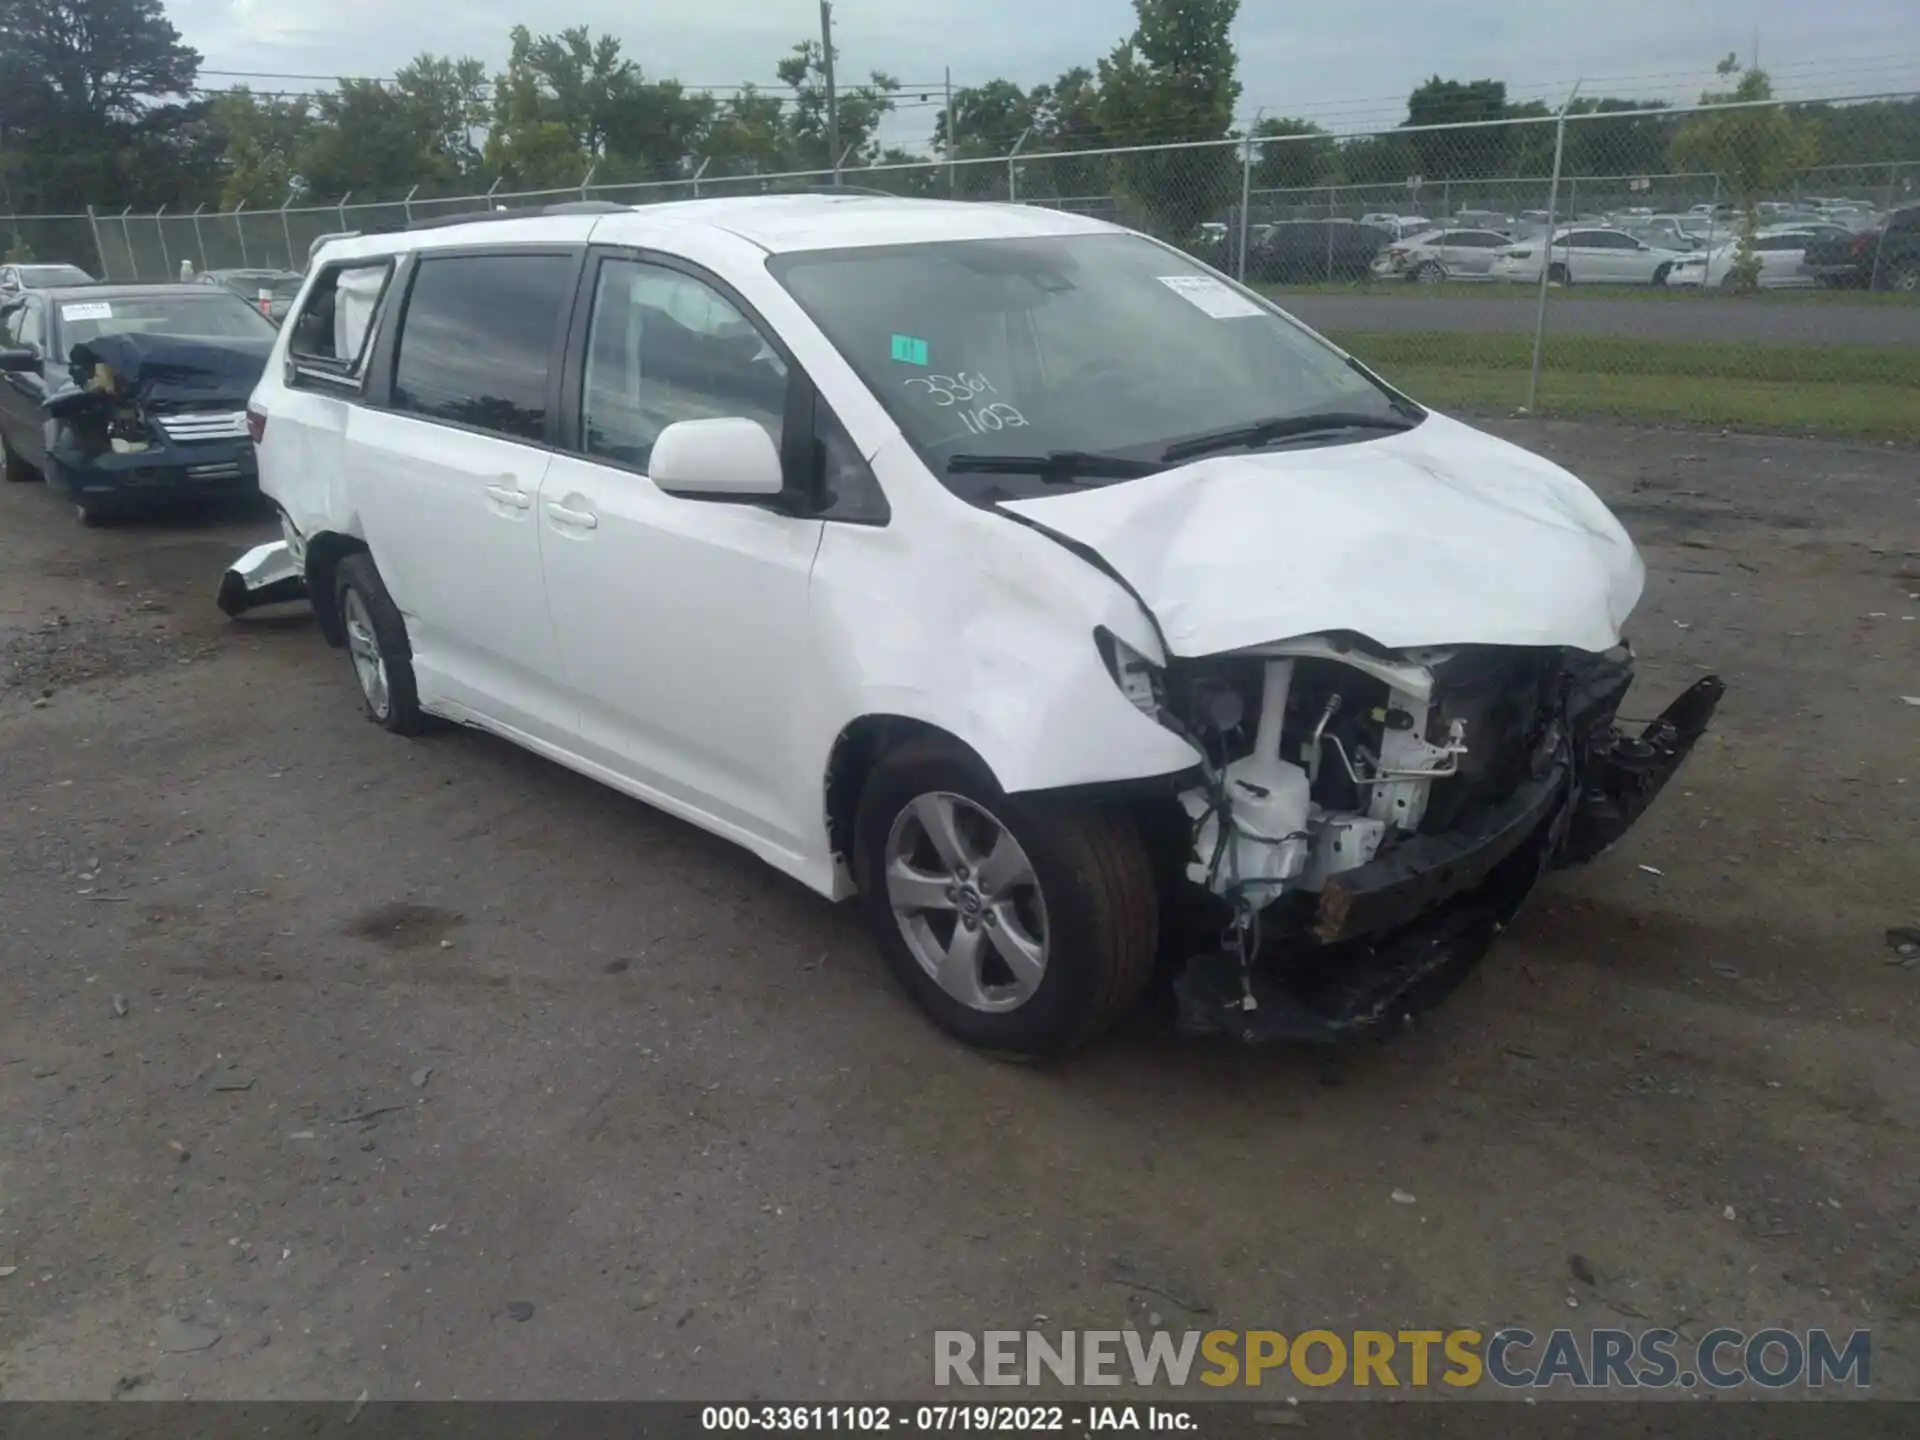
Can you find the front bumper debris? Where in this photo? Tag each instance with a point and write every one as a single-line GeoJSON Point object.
{"type": "Point", "coordinates": [266, 575]}
{"type": "Point", "coordinates": [1390, 939]}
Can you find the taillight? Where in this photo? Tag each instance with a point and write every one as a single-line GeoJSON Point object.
{"type": "Point", "coordinates": [256, 424]}
{"type": "Point", "coordinates": [1862, 243]}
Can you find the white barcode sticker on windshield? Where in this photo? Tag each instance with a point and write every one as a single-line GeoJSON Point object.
{"type": "Point", "coordinates": [1210, 295]}
{"type": "Point", "coordinates": [91, 310]}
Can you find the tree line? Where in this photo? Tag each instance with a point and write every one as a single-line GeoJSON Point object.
{"type": "Point", "coordinates": [100, 103]}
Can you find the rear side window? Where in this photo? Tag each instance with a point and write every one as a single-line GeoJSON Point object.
{"type": "Point", "coordinates": [476, 340]}
{"type": "Point", "coordinates": [331, 334]}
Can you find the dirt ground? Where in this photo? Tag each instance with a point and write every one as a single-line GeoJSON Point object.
{"type": "Point", "coordinates": [332, 1062]}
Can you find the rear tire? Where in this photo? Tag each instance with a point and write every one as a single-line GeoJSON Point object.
{"type": "Point", "coordinates": [1430, 273]}
{"type": "Point", "coordinates": [377, 646]}
{"type": "Point", "coordinates": [1557, 275]}
{"type": "Point", "coordinates": [958, 877]}
{"type": "Point", "coordinates": [96, 514]}
{"type": "Point", "coordinates": [1904, 278]}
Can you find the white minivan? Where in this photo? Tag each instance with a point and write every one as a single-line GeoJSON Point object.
{"type": "Point", "coordinates": [1085, 615]}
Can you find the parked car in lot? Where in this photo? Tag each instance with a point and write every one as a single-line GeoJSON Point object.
{"type": "Point", "coordinates": [1781, 254]}
{"type": "Point", "coordinates": [17, 279]}
{"type": "Point", "coordinates": [125, 396]}
{"type": "Point", "coordinates": [1587, 257]}
{"type": "Point", "coordinates": [279, 286]}
{"type": "Point", "coordinates": [1886, 258]}
{"type": "Point", "coordinates": [868, 534]}
{"type": "Point", "coordinates": [1442, 255]}
{"type": "Point", "coordinates": [1294, 252]}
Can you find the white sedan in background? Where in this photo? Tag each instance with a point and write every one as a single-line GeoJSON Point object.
{"type": "Point", "coordinates": [1782, 254]}
{"type": "Point", "coordinates": [1464, 254]}
{"type": "Point", "coordinates": [1588, 255]}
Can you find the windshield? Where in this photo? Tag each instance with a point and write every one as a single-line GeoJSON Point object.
{"type": "Point", "coordinates": [212, 316]}
{"type": "Point", "coordinates": [46, 277]}
{"type": "Point", "coordinates": [1103, 345]}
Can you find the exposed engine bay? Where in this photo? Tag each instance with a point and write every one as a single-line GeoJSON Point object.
{"type": "Point", "coordinates": [1356, 806]}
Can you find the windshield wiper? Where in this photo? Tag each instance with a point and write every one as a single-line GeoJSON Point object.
{"type": "Point", "coordinates": [1281, 427]}
{"type": "Point", "coordinates": [1056, 467]}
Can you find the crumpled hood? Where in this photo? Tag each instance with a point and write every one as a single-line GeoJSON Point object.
{"type": "Point", "coordinates": [164, 371]}
{"type": "Point", "coordinates": [1438, 536]}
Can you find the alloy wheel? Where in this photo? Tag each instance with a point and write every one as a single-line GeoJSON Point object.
{"type": "Point", "coordinates": [967, 901]}
{"type": "Point", "coordinates": [364, 647]}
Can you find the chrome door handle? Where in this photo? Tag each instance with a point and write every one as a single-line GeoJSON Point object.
{"type": "Point", "coordinates": [518, 499]}
{"type": "Point", "coordinates": [581, 519]}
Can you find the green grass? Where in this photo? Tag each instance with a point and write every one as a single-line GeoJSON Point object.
{"type": "Point", "coordinates": [1633, 294]}
{"type": "Point", "coordinates": [1843, 390]}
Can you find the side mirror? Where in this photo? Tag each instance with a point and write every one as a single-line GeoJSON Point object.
{"type": "Point", "coordinates": [20, 361]}
{"type": "Point", "coordinates": [730, 456]}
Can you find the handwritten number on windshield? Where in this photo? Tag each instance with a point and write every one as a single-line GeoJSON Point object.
{"type": "Point", "coordinates": [998, 416]}
{"type": "Point", "coordinates": [949, 390]}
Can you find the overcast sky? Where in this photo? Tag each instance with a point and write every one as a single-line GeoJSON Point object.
{"type": "Point", "coordinates": [1349, 66]}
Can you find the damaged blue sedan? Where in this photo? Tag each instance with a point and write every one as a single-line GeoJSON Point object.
{"type": "Point", "coordinates": [128, 397]}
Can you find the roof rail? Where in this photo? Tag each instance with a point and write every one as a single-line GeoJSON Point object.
{"type": "Point", "coordinates": [833, 190]}
{"type": "Point", "coordinates": [524, 212]}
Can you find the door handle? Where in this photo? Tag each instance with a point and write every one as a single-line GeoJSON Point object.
{"type": "Point", "coordinates": [579, 519]}
{"type": "Point", "coordinates": [518, 499]}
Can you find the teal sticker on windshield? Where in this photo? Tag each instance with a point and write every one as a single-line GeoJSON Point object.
{"type": "Point", "coordinates": [909, 351]}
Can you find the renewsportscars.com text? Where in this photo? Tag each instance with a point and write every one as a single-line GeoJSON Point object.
{"type": "Point", "coordinates": [1511, 1358]}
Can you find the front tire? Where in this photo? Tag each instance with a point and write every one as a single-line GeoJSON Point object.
{"type": "Point", "coordinates": [1022, 925]}
{"type": "Point", "coordinates": [96, 514]}
{"type": "Point", "coordinates": [378, 647]}
{"type": "Point", "coordinates": [1431, 273]}
{"type": "Point", "coordinates": [1557, 275]}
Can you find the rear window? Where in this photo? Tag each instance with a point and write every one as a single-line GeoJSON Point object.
{"type": "Point", "coordinates": [476, 340]}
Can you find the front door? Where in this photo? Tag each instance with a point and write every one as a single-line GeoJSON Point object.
{"type": "Point", "coordinates": [447, 479]}
{"type": "Point", "coordinates": [682, 623]}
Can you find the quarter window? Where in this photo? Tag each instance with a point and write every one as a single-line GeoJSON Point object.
{"type": "Point", "coordinates": [665, 346]}
{"type": "Point", "coordinates": [476, 341]}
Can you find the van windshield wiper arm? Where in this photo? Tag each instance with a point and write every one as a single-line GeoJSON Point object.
{"type": "Point", "coordinates": [1281, 427]}
{"type": "Point", "coordinates": [1056, 467]}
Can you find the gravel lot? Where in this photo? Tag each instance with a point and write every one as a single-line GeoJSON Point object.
{"type": "Point", "coordinates": [332, 1062]}
{"type": "Point", "coordinates": [1776, 319]}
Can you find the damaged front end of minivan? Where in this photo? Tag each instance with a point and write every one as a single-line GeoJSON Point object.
{"type": "Point", "coordinates": [1401, 664]}
{"type": "Point", "coordinates": [1365, 823]}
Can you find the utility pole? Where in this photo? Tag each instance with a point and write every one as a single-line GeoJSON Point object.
{"type": "Point", "coordinates": [833, 98]}
{"type": "Point", "coordinates": [953, 174]}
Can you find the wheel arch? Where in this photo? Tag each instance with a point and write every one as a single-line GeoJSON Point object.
{"type": "Point", "coordinates": [856, 750]}
{"type": "Point", "coordinates": [324, 552]}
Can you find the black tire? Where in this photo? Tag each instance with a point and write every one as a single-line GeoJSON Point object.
{"type": "Point", "coordinates": [16, 470]}
{"type": "Point", "coordinates": [1660, 274]}
{"type": "Point", "coordinates": [1429, 273]}
{"type": "Point", "coordinates": [96, 514]}
{"type": "Point", "coordinates": [1091, 870]}
{"type": "Point", "coordinates": [1557, 275]}
{"type": "Point", "coordinates": [356, 581]}
{"type": "Point", "coordinates": [1904, 278]}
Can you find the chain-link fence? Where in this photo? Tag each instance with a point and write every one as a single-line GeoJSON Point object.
{"type": "Point", "coordinates": [1572, 262]}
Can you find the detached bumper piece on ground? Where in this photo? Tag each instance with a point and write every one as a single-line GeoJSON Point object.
{"type": "Point", "coordinates": [1392, 937]}
{"type": "Point", "coordinates": [266, 575]}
